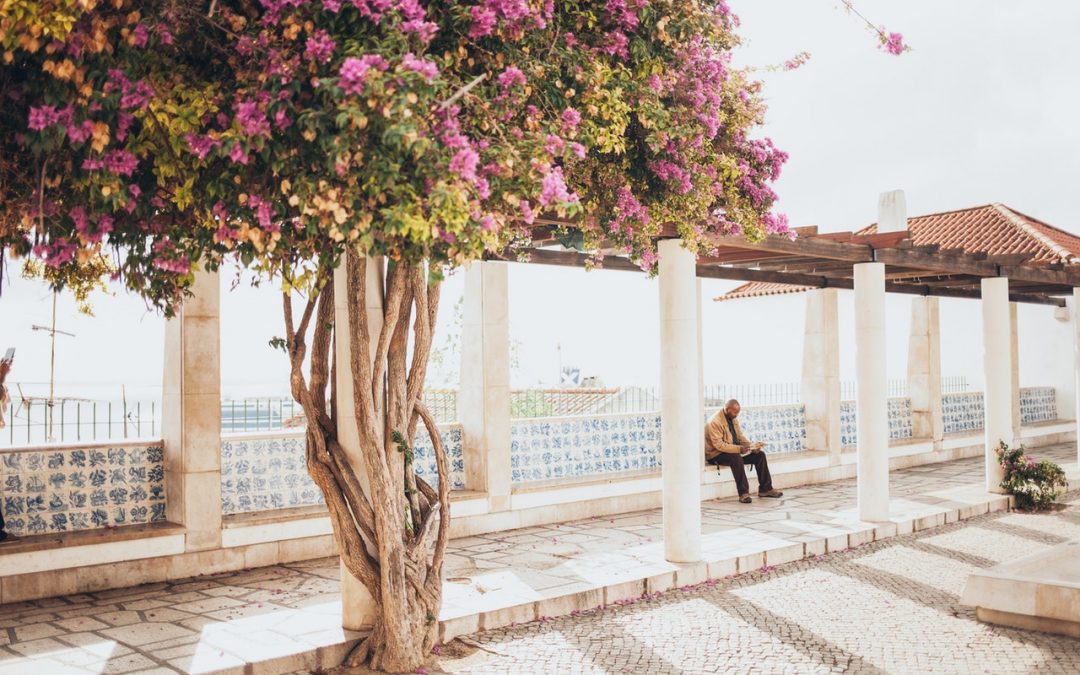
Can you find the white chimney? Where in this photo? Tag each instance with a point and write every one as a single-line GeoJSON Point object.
{"type": "Point", "coordinates": [892, 212]}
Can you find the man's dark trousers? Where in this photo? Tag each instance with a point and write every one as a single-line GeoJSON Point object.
{"type": "Point", "coordinates": [738, 469]}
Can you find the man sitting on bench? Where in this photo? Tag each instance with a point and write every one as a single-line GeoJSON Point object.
{"type": "Point", "coordinates": [725, 444]}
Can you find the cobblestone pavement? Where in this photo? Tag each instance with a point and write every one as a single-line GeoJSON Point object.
{"type": "Point", "coordinates": [207, 624]}
{"type": "Point", "coordinates": [891, 606]}
{"type": "Point", "coordinates": [843, 611]}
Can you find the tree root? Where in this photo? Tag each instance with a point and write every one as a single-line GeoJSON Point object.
{"type": "Point", "coordinates": [359, 654]}
{"type": "Point", "coordinates": [477, 645]}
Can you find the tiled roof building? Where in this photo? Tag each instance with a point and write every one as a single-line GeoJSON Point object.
{"type": "Point", "coordinates": [994, 229]}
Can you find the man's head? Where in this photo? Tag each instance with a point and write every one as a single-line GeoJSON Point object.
{"type": "Point", "coordinates": [732, 408]}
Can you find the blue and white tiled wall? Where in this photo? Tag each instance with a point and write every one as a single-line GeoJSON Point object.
{"type": "Point", "coordinates": [963, 412]}
{"type": "Point", "coordinates": [847, 423]}
{"type": "Point", "coordinates": [66, 489]}
{"type": "Point", "coordinates": [782, 427]}
{"type": "Point", "coordinates": [575, 447]}
{"type": "Point", "coordinates": [424, 455]}
{"type": "Point", "coordinates": [268, 471]}
{"type": "Point", "coordinates": [71, 488]}
{"type": "Point", "coordinates": [579, 447]}
{"type": "Point", "coordinates": [899, 418]}
{"type": "Point", "coordinates": [899, 414]}
{"type": "Point", "coordinates": [265, 472]}
{"type": "Point", "coordinates": [1038, 404]}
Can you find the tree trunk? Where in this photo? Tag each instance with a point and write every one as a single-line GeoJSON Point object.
{"type": "Point", "coordinates": [392, 528]}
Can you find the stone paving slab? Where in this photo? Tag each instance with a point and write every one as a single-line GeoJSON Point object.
{"type": "Point", "coordinates": [287, 617]}
{"type": "Point", "coordinates": [891, 606]}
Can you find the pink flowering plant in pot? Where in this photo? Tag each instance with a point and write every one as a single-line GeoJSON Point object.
{"type": "Point", "coordinates": [363, 148]}
{"type": "Point", "coordinates": [1035, 485]}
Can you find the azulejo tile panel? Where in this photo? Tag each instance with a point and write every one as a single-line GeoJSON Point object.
{"type": "Point", "coordinates": [899, 418]}
{"type": "Point", "coordinates": [898, 411]}
{"type": "Point", "coordinates": [963, 412]}
{"type": "Point", "coordinates": [577, 447]}
{"type": "Point", "coordinates": [266, 472]}
{"type": "Point", "coordinates": [1038, 404]}
{"type": "Point", "coordinates": [424, 455]}
{"type": "Point", "coordinates": [574, 447]}
{"type": "Point", "coordinates": [782, 427]}
{"type": "Point", "coordinates": [66, 489]}
{"type": "Point", "coordinates": [848, 430]}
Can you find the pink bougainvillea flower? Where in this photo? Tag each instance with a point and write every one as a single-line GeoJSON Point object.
{"type": "Point", "coordinates": [892, 43]}
{"type": "Point", "coordinates": [42, 117]}
{"type": "Point", "coordinates": [483, 22]}
{"type": "Point", "coordinates": [319, 48]}
{"type": "Point", "coordinates": [418, 65]}
{"type": "Point", "coordinates": [238, 154]}
{"type": "Point", "coordinates": [510, 78]}
{"type": "Point", "coordinates": [354, 71]}
{"type": "Point", "coordinates": [252, 119]}
{"type": "Point", "coordinates": [464, 163]}
{"type": "Point", "coordinates": [570, 120]}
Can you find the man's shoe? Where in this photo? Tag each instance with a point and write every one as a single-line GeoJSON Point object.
{"type": "Point", "coordinates": [7, 538]}
{"type": "Point", "coordinates": [745, 499]}
{"type": "Point", "coordinates": [775, 494]}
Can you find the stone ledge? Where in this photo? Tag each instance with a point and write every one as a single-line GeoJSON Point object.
{"type": "Point", "coordinates": [83, 551]}
{"type": "Point", "coordinates": [253, 518]}
{"type": "Point", "coordinates": [1039, 592]}
{"type": "Point", "coordinates": [1044, 428]}
{"type": "Point", "coordinates": [143, 561]}
{"type": "Point", "coordinates": [149, 442]}
{"type": "Point", "coordinates": [101, 535]}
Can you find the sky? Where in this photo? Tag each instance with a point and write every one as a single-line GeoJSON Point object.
{"type": "Point", "coordinates": [981, 110]}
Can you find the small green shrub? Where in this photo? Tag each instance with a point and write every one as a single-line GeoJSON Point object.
{"type": "Point", "coordinates": [1036, 485]}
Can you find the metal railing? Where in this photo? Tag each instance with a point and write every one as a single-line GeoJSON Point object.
{"type": "Point", "coordinates": [442, 404]}
{"type": "Point", "coordinates": [260, 414]}
{"type": "Point", "coordinates": [950, 384]}
{"type": "Point", "coordinates": [756, 394]}
{"type": "Point", "coordinates": [80, 420]}
{"type": "Point", "coordinates": [28, 422]}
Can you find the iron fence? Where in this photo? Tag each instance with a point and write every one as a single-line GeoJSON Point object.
{"type": "Point", "coordinates": [33, 422]}
{"type": "Point", "coordinates": [80, 420]}
{"type": "Point", "coordinates": [260, 414]}
{"type": "Point", "coordinates": [756, 394]}
{"type": "Point", "coordinates": [442, 404]}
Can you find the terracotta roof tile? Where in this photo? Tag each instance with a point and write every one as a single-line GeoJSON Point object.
{"type": "Point", "coordinates": [994, 229]}
{"type": "Point", "coordinates": [757, 289]}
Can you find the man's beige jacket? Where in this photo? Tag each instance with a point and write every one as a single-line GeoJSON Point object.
{"type": "Point", "coordinates": [718, 437]}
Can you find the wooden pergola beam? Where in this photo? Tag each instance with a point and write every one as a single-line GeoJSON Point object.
{"type": "Point", "coordinates": [815, 247]}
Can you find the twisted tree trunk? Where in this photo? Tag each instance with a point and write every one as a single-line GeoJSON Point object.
{"type": "Point", "coordinates": [392, 528]}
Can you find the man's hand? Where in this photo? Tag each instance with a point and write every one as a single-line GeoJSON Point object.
{"type": "Point", "coordinates": [5, 367]}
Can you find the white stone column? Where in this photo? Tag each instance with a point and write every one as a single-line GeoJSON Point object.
{"type": "Point", "coordinates": [1014, 371]}
{"type": "Point", "coordinates": [484, 396]}
{"type": "Point", "coordinates": [700, 362]}
{"type": "Point", "coordinates": [871, 393]}
{"type": "Point", "coordinates": [924, 369]}
{"type": "Point", "coordinates": [357, 605]}
{"type": "Point", "coordinates": [821, 372]}
{"type": "Point", "coordinates": [997, 366]}
{"type": "Point", "coordinates": [1075, 307]}
{"type": "Point", "coordinates": [681, 436]}
{"type": "Point", "coordinates": [1064, 379]}
{"type": "Point", "coordinates": [191, 414]}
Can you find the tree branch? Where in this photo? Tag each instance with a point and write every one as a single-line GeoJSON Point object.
{"type": "Point", "coordinates": [443, 464]}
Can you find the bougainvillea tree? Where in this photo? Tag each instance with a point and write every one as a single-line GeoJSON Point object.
{"type": "Point", "coordinates": [399, 138]}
